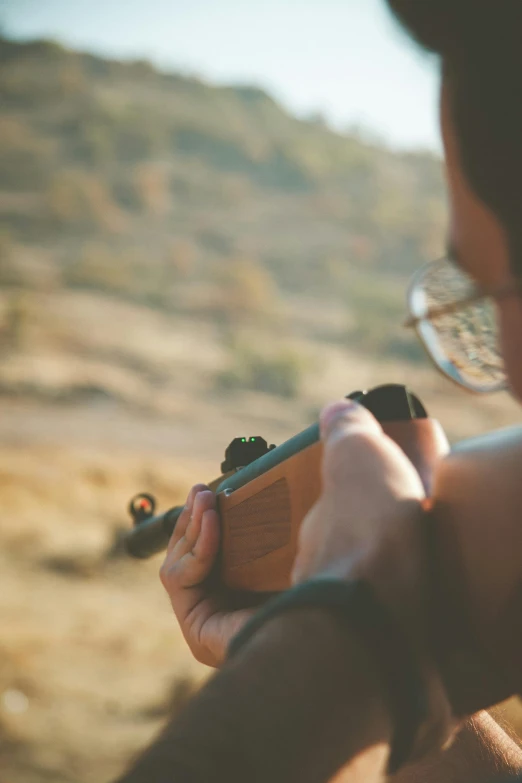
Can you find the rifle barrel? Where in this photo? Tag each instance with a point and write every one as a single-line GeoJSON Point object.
{"type": "Point", "coordinates": [152, 535]}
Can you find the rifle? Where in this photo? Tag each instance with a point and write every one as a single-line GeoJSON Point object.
{"type": "Point", "coordinates": [264, 492]}
{"type": "Point", "coordinates": [476, 486]}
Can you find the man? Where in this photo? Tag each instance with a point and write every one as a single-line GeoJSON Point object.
{"type": "Point", "coordinates": [307, 694]}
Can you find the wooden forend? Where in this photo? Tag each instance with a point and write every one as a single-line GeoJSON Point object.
{"type": "Point", "coordinates": [261, 521]}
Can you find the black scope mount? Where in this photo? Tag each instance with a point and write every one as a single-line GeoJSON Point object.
{"type": "Point", "coordinates": [243, 451]}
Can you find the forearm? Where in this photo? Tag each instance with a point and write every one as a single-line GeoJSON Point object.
{"type": "Point", "coordinates": [296, 704]}
{"type": "Point", "coordinates": [481, 753]}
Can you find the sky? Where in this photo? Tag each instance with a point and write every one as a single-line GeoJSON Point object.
{"type": "Point", "coordinates": [344, 59]}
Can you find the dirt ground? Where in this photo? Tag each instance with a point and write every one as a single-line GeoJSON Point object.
{"type": "Point", "coordinates": [90, 657]}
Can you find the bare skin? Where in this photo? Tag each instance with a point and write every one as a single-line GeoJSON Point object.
{"type": "Point", "coordinates": [203, 617]}
{"type": "Point", "coordinates": [293, 706]}
{"type": "Point", "coordinates": [207, 622]}
{"type": "Point", "coordinates": [483, 751]}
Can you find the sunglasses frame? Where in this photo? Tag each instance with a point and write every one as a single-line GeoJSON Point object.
{"type": "Point", "coordinates": [478, 293]}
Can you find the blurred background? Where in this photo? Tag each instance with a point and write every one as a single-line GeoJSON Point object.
{"type": "Point", "coordinates": [209, 212]}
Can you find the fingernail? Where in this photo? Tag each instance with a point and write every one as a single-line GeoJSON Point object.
{"type": "Point", "coordinates": [189, 505]}
{"type": "Point", "coordinates": [333, 411]}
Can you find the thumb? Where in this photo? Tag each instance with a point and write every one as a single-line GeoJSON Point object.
{"type": "Point", "coordinates": [346, 417]}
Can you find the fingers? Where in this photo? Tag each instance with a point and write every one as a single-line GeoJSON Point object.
{"type": "Point", "coordinates": [193, 548]}
{"type": "Point", "coordinates": [350, 434]}
{"type": "Point", "coordinates": [191, 567]}
{"type": "Point", "coordinates": [184, 517]}
{"type": "Point", "coordinates": [346, 417]}
{"type": "Point", "coordinates": [202, 610]}
{"type": "Point", "coordinates": [357, 450]}
{"type": "Point", "coordinates": [205, 500]}
{"type": "Point", "coordinates": [205, 549]}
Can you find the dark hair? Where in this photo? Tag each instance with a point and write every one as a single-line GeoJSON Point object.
{"type": "Point", "coordinates": [480, 43]}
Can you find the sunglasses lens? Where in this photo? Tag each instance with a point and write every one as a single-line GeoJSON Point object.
{"type": "Point", "coordinates": [463, 343]}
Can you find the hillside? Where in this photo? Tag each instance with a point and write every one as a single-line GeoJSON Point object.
{"type": "Point", "coordinates": [117, 178]}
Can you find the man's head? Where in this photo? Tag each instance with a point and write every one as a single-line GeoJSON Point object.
{"type": "Point", "coordinates": [479, 42]}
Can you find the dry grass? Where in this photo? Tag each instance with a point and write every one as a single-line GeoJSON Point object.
{"type": "Point", "coordinates": [90, 656]}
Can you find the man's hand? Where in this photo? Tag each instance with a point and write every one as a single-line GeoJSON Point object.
{"type": "Point", "coordinates": [370, 506]}
{"type": "Point", "coordinates": [207, 619]}
{"type": "Point", "coordinates": [366, 522]}
{"type": "Point", "coordinates": [369, 524]}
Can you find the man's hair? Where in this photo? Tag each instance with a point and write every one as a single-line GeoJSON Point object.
{"type": "Point", "coordinates": [480, 43]}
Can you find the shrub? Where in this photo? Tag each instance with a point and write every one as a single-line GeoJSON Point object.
{"type": "Point", "coordinates": [8, 274]}
{"type": "Point", "coordinates": [378, 309]}
{"type": "Point", "coordinates": [78, 200]}
{"type": "Point", "coordinates": [25, 160]}
{"type": "Point", "coordinates": [19, 320]}
{"type": "Point", "coordinates": [97, 268]}
{"type": "Point", "coordinates": [246, 291]}
{"type": "Point", "coordinates": [278, 373]}
{"type": "Point", "coordinates": [152, 189]}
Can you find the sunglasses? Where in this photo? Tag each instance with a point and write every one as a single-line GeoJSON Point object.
{"type": "Point", "coordinates": [456, 322]}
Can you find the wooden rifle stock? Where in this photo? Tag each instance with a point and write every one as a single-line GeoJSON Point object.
{"type": "Point", "coordinates": [263, 504]}
{"type": "Point", "coordinates": [261, 518]}
{"type": "Point", "coordinates": [474, 533]}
